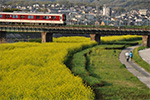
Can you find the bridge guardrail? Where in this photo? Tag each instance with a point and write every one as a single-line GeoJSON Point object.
{"type": "Point", "coordinates": [27, 28]}
{"type": "Point", "coordinates": [87, 26]}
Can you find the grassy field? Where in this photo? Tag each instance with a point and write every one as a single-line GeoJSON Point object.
{"type": "Point", "coordinates": [139, 60]}
{"type": "Point", "coordinates": [118, 82]}
{"type": "Point", "coordinates": [101, 69]}
{"type": "Point", "coordinates": [37, 71]}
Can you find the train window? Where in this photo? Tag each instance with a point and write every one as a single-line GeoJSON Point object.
{"type": "Point", "coordinates": [37, 17]}
{"type": "Point", "coordinates": [1, 16]}
{"type": "Point", "coordinates": [15, 16]}
{"type": "Point", "coordinates": [30, 17]}
{"type": "Point", "coordinates": [60, 18]}
{"type": "Point", "coordinates": [45, 17]}
{"type": "Point", "coordinates": [22, 16]}
{"type": "Point", "coordinates": [53, 17]}
{"type": "Point", "coordinates": [7, 16]}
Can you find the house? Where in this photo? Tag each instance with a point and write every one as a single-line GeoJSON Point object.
{"type": "Point", "coordinates": [29, 7]}
{"type": "Point", "coordinates": [143, 11]}
{"type": "Point", "coordinates": [36, 5]}
{"type": "Point", "coordinates": [52, 5]}
{"type": "Point", "coordinates": [102, 23]}
{"type": "Point", "coordinates": [78, 16]}
{"type": "Point", "coordinates": [23, 8]}
{"type": "Point", "coordinates": [18, 7]}
{"type": "Point", "coordinates": [43, 5]}
{"type": "Point", "coordinates": [82, 7]}
{"type": "Point", "coordinates": [139, 20]}
{"type": "Point", "coordinates": [57, 5]}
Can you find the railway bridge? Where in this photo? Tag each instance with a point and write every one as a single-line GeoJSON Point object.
{"type": "Point", "coordinates": [95, 33]}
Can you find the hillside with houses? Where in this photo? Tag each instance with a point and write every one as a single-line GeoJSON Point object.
{"type": "Point", "coordinates": [86, 14]}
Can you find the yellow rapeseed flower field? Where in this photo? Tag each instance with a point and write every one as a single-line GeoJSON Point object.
{"type": "Point", "coordinates": [36, 71]}
{"type": "Point", "coordinates": [118, 38]}
{"type": "Point", "coordinates": [33, 71]}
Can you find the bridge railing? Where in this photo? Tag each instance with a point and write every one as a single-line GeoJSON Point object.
{"type": "Point", "coordinates": [81, 26]}
{"type": "Point", "coordinates": [113, 27]}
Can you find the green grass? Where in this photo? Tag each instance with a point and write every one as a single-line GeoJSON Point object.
{"type": "Point", "coordinates": [80, 65]}
{"type": "Point", "coordinates": [119, 83]}
{"type": "Point", "coordinates": [102, 70]}
{"type": "Point", "coordinates": [139, 60]}
{"type": "Point", "coordinates": [35, 40]}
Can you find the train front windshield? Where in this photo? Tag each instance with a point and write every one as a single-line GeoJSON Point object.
{"type": "Point", "coordinates": [64, 17]}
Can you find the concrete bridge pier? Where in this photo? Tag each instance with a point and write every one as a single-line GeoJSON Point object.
{"type": "Point", "coordinates": [95, 37]}
{"type": "Point", "coordinates": [47, 37]}
{"type": "Point", "coordinates": [146, 40]}
{"type": "Point", "coordinates": [2, 37]}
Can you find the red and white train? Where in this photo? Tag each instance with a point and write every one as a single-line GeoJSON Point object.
{"type": "Point", "coordinates": [32, 18]}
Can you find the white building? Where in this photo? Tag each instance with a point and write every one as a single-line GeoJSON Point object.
{"type": "Point", "coordinates": [52, 5]}
{"type": "Point", "coordinates": [139, 20]}
{"type": "Point", "coordinates": [43, 5]}
{"type": "Point", "coordinates": [143, 11]}
{"type": "Point", "coordinates": [78, 16]}
{"type": "Point", "coordinates": [29, 7]}
{"type": "Point", "coordinates": [57, 5]}
{"type": "Point", "coordinates": [107, 11]}
{"type": "Point", "coordinates": [23, 8]}
{"type": "Point", "coordinates": [36, 5]}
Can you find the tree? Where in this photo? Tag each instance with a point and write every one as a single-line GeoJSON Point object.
{"type": "Point", "coordinates": [10, 10]}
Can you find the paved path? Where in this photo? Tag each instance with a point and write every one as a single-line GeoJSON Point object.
{"type": "Point", "coordinates": [145, 55]}
{"type": "Point", "coordinates": [135, 69]}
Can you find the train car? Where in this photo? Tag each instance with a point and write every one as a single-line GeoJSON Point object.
{"type": "Point", "coordinates": [32, 18]}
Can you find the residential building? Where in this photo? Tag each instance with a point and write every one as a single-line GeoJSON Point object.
{"type": "Point", "coordinates": [143, 11]}
{"type": "Point", "coordinates": [106, 11]}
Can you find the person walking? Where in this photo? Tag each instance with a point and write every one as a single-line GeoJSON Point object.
{"type": "Point", "coordinates": [131, 55]}
{"type": "Point", "coordinates": [127, 56]}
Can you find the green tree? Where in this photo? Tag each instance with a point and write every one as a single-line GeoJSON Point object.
{"type": "Point", "coordinates": [10, 10]}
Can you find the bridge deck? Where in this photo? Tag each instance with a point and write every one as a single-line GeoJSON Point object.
{"type": "Point", "coordinates": [75, 30]}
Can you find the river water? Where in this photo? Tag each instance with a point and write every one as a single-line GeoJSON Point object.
{"type": "Point", "coordinates": [24, 37]}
